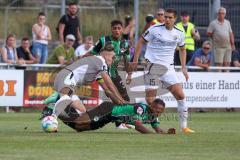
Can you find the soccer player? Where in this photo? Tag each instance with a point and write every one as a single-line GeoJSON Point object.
{"type": "Point", "coordinates": [121, 50]}
{"type": "Point", "coordinates": [83, 72]}
{"type": "Point", "coordinates": [162, 41]}
{"type": "Point", "coordinates": [135, 114]}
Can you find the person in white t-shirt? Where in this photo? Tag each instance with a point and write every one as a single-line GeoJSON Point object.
{"type": "Point", "coordinates": [162, 40]}
{"type": "Point", "coordinates": [84, 48]}
{"type": "Point", "coordinates": [41, 36]}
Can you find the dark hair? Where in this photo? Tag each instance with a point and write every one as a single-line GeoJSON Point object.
{"type": "Point", "coordinates": [108, 47]}
{"type": "Point", "coordinates": [25, 39]}
{"type": "Point", "coordinates": [171, 10]}
{"type": "Point", "coordinates": [159, 101]}
{"type": "Point", "coordinates": [72, 3]}
{"type": "Point", "coordinates": [10, 36]}
{"type": "Point", "coordinates": [149, 18]}
{"type": "Point", "coordinates": [127, 20]}
{"type": "Point", "coordinates": [41, 14]}
{"type": "Point", "coordinates": [116, 22]}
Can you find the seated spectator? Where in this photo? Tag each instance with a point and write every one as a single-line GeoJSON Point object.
{"type": "Point", "coordinates": [9, 53]}
{"type": "Point", "coordinates": [84, 48]}
{"type": "Point", "coordinates": [202, 56]}
{"type": "Point", "coordinates": [63, 53]}
{"type": "Point", "coordinates": [236, 58]}
{"type": "Point", "coordinates": [24, 53]}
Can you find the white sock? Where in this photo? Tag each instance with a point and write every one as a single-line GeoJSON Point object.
{"type": "Point", "coordinates": [183, 113]}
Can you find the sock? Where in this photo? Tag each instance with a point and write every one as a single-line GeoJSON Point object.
{"type": "Point", "coordinates": [52, 98]}
{"type": "Point", "coordinates": [183, 113]}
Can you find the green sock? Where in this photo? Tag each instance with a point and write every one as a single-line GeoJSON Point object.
{"type": "Point", "coordinates": [51, 106]}
{"type": "Point", "coordinates": [52, 98]}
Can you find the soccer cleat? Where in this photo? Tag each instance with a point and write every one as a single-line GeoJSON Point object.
{"type": "Point", "coordinates": [122, 126]}
{"type": "Point", "coordinates": [187, 130]}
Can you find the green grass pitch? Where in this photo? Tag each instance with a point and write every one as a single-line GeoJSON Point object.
{"type": "Point", "coordinates": [217, 138]}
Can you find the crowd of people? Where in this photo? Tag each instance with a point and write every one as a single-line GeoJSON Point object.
{"type": "Point", "coordinates": [220, 50]}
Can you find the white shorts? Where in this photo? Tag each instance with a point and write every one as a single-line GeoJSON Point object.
{"type": "Point", "coordinates": [158, 76]}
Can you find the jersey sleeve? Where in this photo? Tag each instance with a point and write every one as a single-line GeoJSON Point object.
{"type": "Point", "coordinates": [97, 47]}
{"type": "Point", "coordinates": [155, 123]}
{"type": "Point", "coordinates": [147, 35]}
{"type": "Point", "coordinates": [181, 42]}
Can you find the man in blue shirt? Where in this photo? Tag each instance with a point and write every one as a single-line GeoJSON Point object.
{"type": "Point", "coordinates": [236, 58]}
{"type": "Point", "coordinates": [202, 56]}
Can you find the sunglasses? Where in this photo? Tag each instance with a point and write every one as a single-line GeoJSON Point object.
{"type": "Point", "coordinates": [206, 48]}
{"type": "Point", "coordinates": [160, 14]}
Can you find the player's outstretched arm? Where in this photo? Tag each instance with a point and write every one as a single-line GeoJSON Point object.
{"type": "Point", "coordinates": [183, 54]}
{"type": "Point", "coordinates": [132, 67]}
{"type": "Point", "coordinates": [141, 128]}
{"type": "Point", "coordinates": [110, 87]}
{"type": "Point", "coordinates": [161, 131]}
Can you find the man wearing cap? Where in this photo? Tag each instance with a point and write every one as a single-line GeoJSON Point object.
{"type": "Point", "coordinates": [191, 34]}
{"type": "Point", "coordinates": [63, 53]}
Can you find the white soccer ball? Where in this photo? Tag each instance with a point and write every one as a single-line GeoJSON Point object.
{"type": "Point", "coordinates": [50, 124]}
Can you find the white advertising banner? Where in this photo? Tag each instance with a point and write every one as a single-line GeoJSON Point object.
{"type": "Point", "coordinates": [203, 89]}
{"type": "Point", "coordinates": [11, 87]}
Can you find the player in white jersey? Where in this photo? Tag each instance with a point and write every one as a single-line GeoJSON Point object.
{"type": "Point", "coordinates": [162, 41]}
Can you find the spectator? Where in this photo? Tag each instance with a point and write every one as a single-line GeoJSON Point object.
{"type": "Point", "coordinates": [202, 56]}
{"type": "Point", "coordinates": [158, 20]}
{"type": "Point", "coordinates": [159, 17]}
{"type": "Point", "coordinates": [148, 19]}
{"type": "Point", "coordinates": [236, 58]}
{"type": "Point", "coordinates": [63, 53]}
{"type": "Point", "coordinates": [191, 35]}
{"type": "Point", "coordinates": [69, 24]}
{"type": "Point", "coordinates": [24, 53]}
{"type": "Point", "coordinates": [129, 29]}
{"type": "Point", "coordinates": [9, 53]}
{"type": "Point", "coordinates": [223, 39]}
{"type": "Point", "coordinates": [84, 48]}
{"type": "Point", "coordinates": [41, 35]}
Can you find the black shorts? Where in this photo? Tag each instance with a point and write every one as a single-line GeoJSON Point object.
{"type": "Point", "coordinates": [101, 115]}
{"type": "Point", "coordinates": [69, 116]}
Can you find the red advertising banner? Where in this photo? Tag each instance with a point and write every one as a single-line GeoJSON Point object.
{"type": "Point", "coordinates": [39, 85]}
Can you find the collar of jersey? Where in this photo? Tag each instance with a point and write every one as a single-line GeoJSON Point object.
{"type": "Point", "coordinates": [102, 59]}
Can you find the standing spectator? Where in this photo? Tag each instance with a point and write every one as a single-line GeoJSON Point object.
{"type": "Point", "coordinates": [63, 53]}
{"type": "Point", "coordinates": [70, 24]}
{"type": "Point", "coordinates": [9, 53]}
{"type": "Point", "coordinates": [41, 35]}
{"type": "Point", "coordinates": [24, 53]}
{"type": "Point", "coordinates": [148, 19]}
{"type": "Point", "coordinates": [84, 48]}
{"type": "Point", "coordinates": [129, 29]}
{"type": "Point", "coordinates": [202, 56]}
{"type": "Point", "coordinates": [158, 20]}
{"type": "Point", "coordinates": [159, 17]}
{"type": "Point", "coordinates": [223, 39]}
{"type": "Point", "coordinates": [191, 35]}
